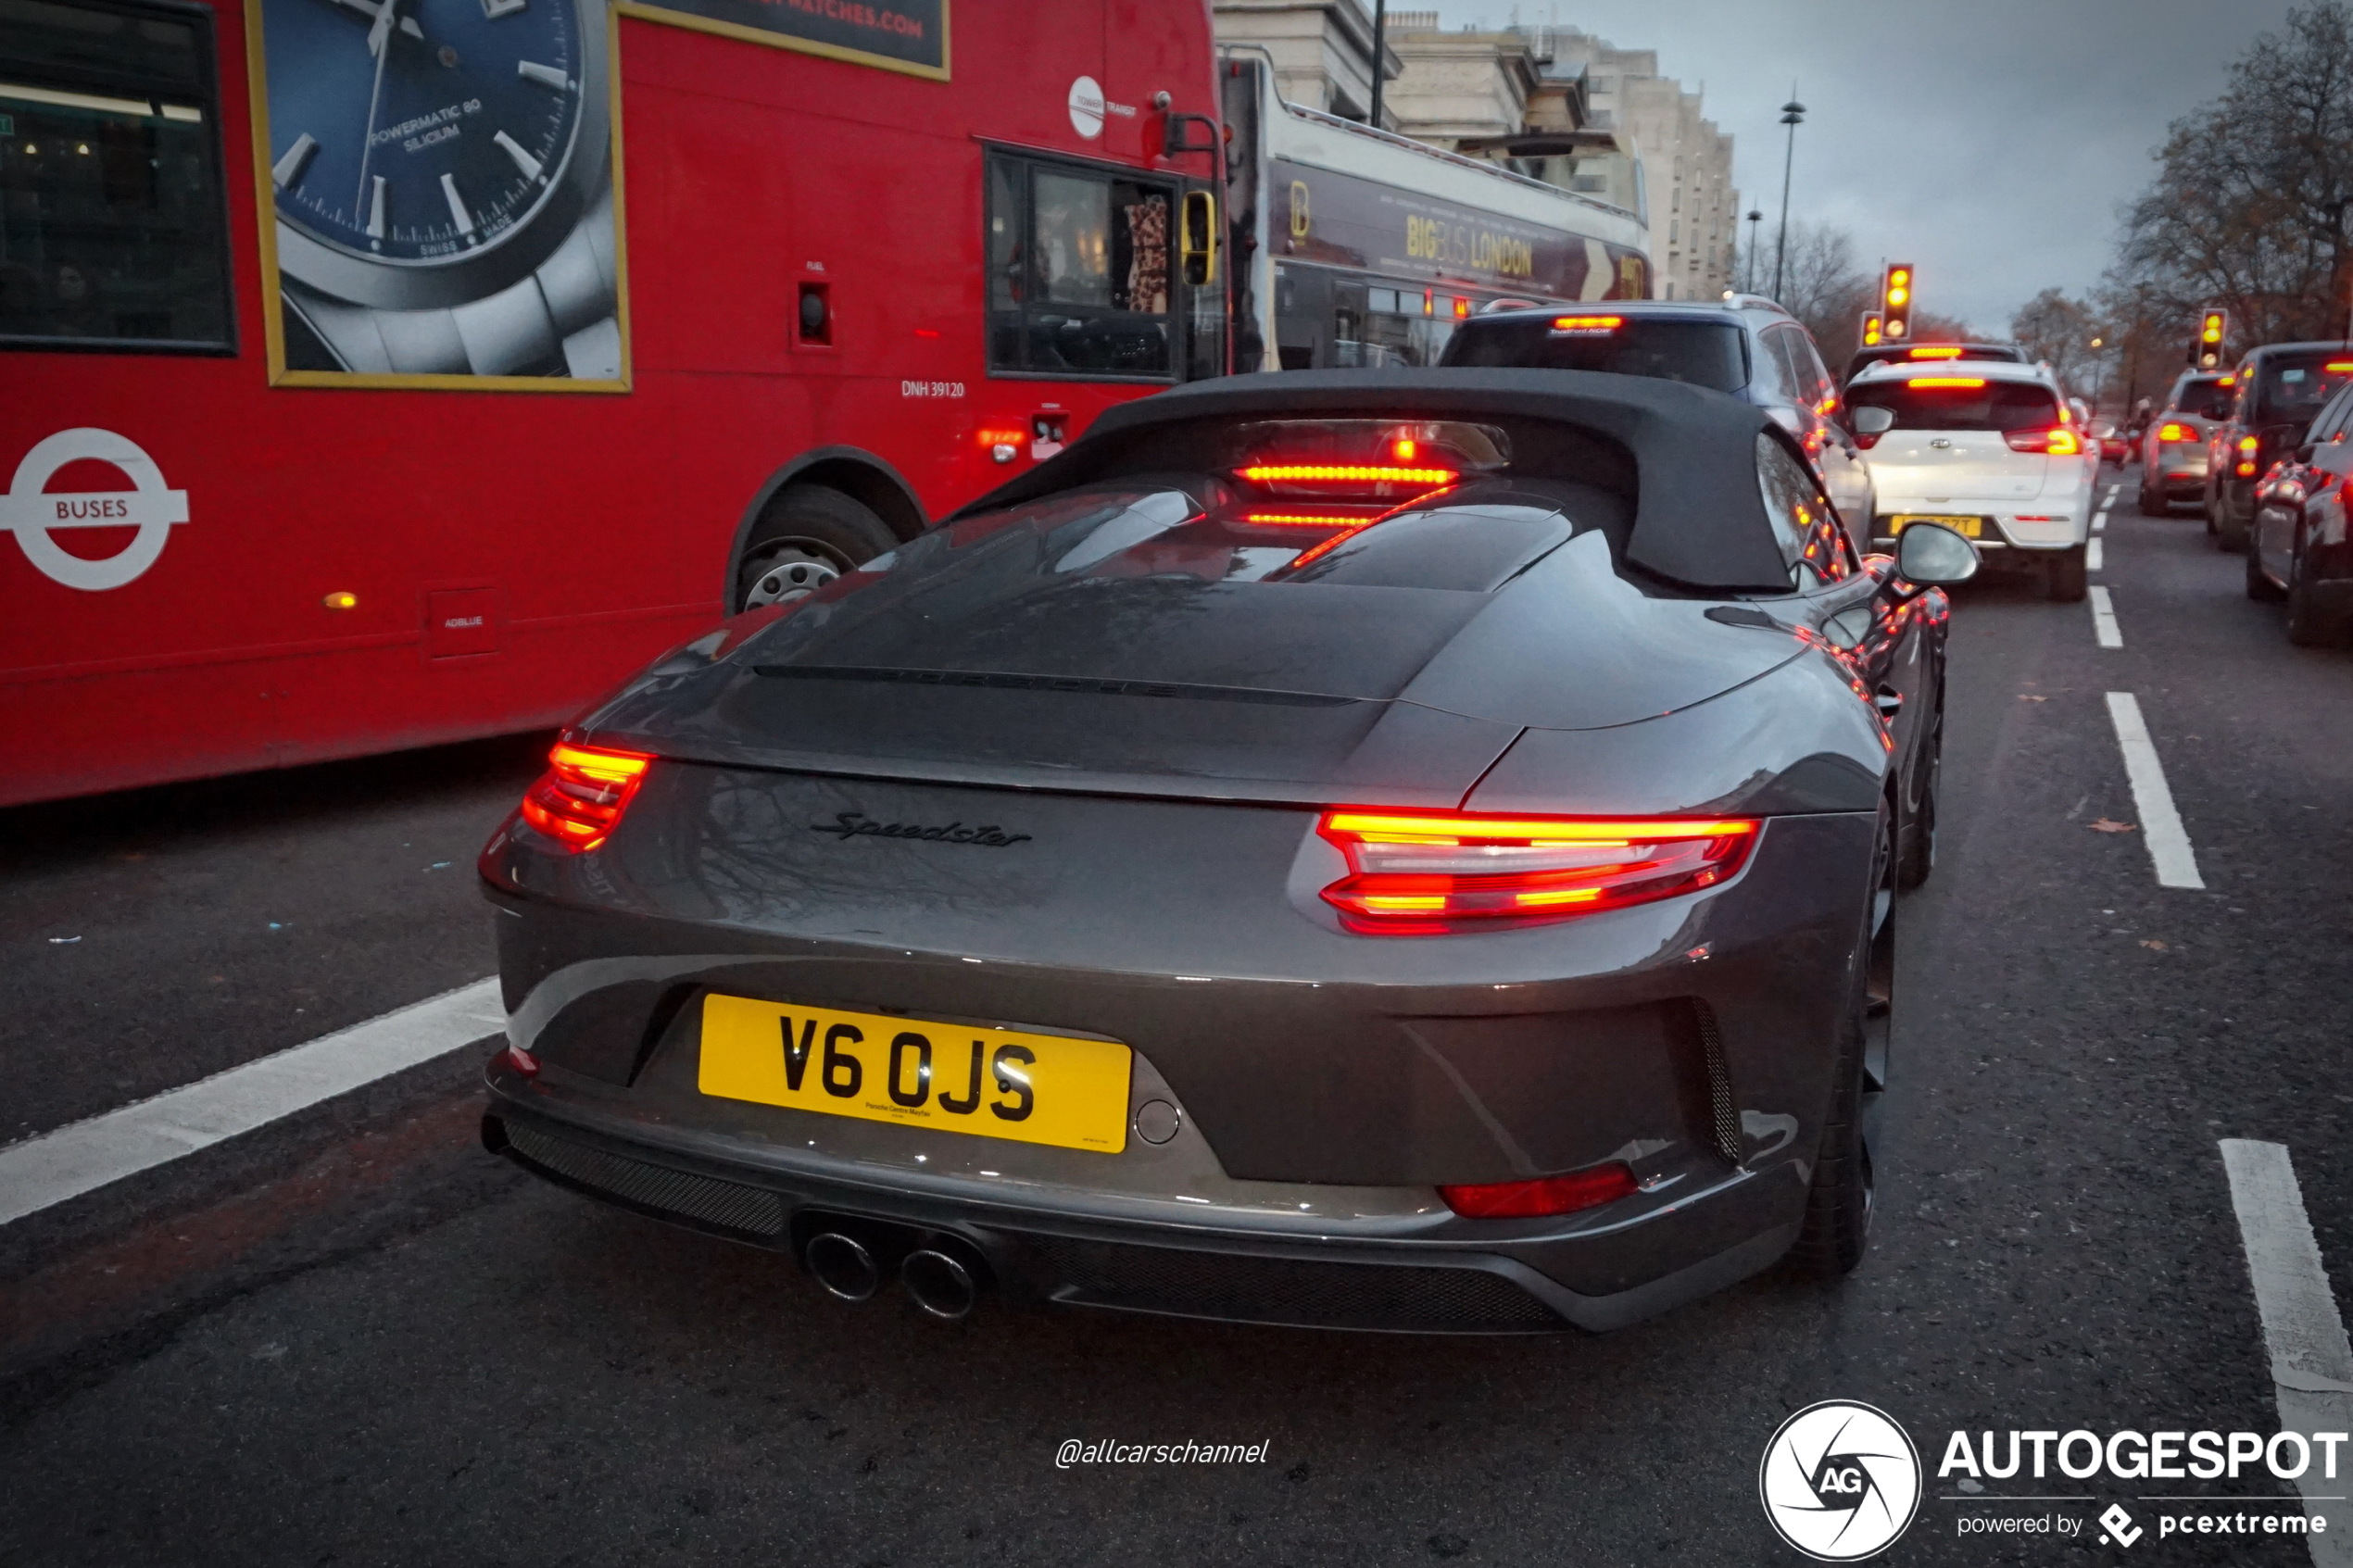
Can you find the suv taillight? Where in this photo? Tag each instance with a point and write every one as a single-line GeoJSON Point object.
{"type": "Point", "coordinates": [578, 801]}
{"type": "Point", "coordinates": [1417, 871]}
{"type": "Point", "coordinates": [2173, 432]}
{"type": "Point", "coordinates": [2059, 441]}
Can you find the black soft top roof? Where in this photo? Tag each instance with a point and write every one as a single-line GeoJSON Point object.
{"type": "Point", "coordinates": [1699, 516]}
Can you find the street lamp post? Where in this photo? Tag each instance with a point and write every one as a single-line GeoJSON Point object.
{"type": "Point", "coordinates": [1793, 116]}
{"type": "Point", "coordinates": [1748, 282]}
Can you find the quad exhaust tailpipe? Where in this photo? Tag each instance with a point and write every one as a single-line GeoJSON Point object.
{"type": "Point", "coordinates": [940, 1285]}
{"type": "Point", "coordinates": [843, 1265]}
{"type": "Point", "coordinates": [852, 1258]}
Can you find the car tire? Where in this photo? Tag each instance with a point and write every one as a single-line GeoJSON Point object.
{"type": "Point", "coordinates": [2260, 588]}
{"type": "Point", "coordinates": [1836, 1232]}
{"type": "Point", "coordinates": [809, 535]}
{"type": "Point", "coordinates": [1917, 858]}
{"type": "Point", "coordinates": [2309, 626]}
{"type": "Point", "coordinates": [2151, 502]}
{"type": "Point", "coordinates": [2067, 576]}
{"type": "Point", "coordinates": [2230, 532]}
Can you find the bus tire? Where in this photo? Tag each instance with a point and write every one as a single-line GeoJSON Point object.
{"type": "Point", "coordinates": [808, 535]}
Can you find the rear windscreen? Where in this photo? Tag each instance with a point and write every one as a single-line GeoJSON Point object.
{"type": "Point", "coordinates": [2204, 398]}
{"type": "Point", "coordinates": [2291, 387]}
{"type": "Point", "coordinates": [1961, 403]}
{"type": "Point", "coordinates": [1708, 354]}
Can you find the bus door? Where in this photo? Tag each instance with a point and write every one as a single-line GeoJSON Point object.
{"type": "Point", "coordinates": [1202, 263]}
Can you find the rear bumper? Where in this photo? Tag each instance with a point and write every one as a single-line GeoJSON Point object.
{"type": "Point", "coordinates": [1526, 1277]}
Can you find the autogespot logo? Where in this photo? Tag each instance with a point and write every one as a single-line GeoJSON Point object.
{"type": "Point", "coordinates": [1840, 1481]}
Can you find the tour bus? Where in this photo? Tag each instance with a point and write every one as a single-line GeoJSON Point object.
{"type": "Point", "coordinates": [1354, 247]}
{"type": "Point", "coordinates": [384, 372]}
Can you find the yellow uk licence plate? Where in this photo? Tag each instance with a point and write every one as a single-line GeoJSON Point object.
{"type": "Point", "coordinates": [993, 1082]}
{"type": "Point", "coordinates": [1967, 527]}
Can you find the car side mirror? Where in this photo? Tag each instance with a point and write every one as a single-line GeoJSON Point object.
{"type": "Point", "coordinates": [1875, 421]}
{"type": "Point", "coordinates": [1935, 556]}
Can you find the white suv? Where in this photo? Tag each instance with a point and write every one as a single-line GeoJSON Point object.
{"type": "Point", "coordinates": [1986, 448]}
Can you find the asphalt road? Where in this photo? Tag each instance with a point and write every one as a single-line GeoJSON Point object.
{"type": "Point", "coordinates": [370, 1343]}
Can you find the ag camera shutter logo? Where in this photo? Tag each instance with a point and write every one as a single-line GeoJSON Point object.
{"type": "Point", "coordinates": [1840, 1481]}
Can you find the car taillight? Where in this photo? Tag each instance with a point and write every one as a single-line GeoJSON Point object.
{"type": "Point", "coordinates": [1413, 872]}
{"type": "Point", "coordinates": [1602, 325]}
{"type": "Point", "coordinates": [579, 799]}
{"type": "Point", "coordinates": [1589, 1188]}
{"type": "Point", "coordinates": [2058, 441]}
{"type": "Point", "coordinates": [2169, 431]}
{"type": "Point", "coordinates": [2248, 445]}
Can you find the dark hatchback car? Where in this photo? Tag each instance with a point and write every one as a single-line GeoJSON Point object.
{"type": "Point", "coordinates": [1747, 347]}
{"type": "Point", "coordinates": [1931, 354]}
{"type": "Point", "coordinates": [2299, 548]}
{"type": "Point", "coordinates": [1352, 848]}
{"type": "Point", "coordinates": [2276, 392]}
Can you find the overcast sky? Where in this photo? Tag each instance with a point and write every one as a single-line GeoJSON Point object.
{"type": "Point", "coordinates": [1991, 142]}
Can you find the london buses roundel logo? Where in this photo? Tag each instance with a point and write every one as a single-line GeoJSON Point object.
{"type": "Point", "coordinates": [32, 513]}
{"type": "Point", "coordinates": [1840, 1481]}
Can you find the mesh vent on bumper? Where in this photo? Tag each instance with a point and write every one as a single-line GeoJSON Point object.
{"type": "Point", "coordinates": [702, 1200]}
{"type": "Point", "coordinates": [1284, 1290]}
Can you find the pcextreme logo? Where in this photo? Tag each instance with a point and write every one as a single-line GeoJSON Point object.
{"type": "Point", "coordinates": [1840, 1481]}
{"type": "Point", "coordinates": [150, 505]}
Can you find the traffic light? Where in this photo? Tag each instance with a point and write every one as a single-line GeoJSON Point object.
{"type": "Point", "coordinates": [1872, 333]}
{"type": "Point", "coordinates": [1895, 302]}
{"type": "Point", "coordinates": [2206, 352]}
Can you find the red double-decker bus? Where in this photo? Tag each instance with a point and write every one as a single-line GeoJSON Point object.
{"type": "Point", "coordinates": [381, 372]}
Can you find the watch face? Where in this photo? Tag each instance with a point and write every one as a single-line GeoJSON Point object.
{"type": "Point", "coordinates": [425, 137]}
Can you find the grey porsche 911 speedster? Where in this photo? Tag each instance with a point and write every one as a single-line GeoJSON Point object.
{"type": "Point", "coordinates": [1362, 849]}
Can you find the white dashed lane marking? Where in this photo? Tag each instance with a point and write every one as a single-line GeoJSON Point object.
{"type": "Point", "coordinates": [87, 1155]}
{"type": "Point", "coordinates": [2311, 1362]}
{"type": "Point", "coordinates": [2099, 524]}
{"type": "Point", "coordinates": [2168, 845]}
{"type": "Point", "coordinates": [2104, 621]}
{"type": "Point", "coordinates": [2092, 556]}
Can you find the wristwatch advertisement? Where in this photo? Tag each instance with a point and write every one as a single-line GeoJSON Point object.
{"type": "Point", "coordinates": [441, 175]}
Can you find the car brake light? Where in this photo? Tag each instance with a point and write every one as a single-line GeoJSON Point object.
{"type": "Point", "coordinates": [579, 799]}
{"type": "Point", "coordinates": [2172, 432]}
{"type": "Point", "coordinates": [2338, 366]}
{"type": "Point", "coordinates": [1589, 1188]}
{"type": "Point", "coordinates": [2058, 441]}
{"type": "Point", "coordinates": [1346, 473]}
{"type": "Point", "coordinates": [1588, 323]}
{"type": "Point", "coordinates": [1410, 871]}
{"type": "Point", "coordinates": [1946, 381]}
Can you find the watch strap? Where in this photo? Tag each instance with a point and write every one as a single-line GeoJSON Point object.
{"type": "Point", "coordinates": [564, 314]}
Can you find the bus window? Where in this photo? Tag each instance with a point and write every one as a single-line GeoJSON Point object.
{"type": "Point", "coordinates": [1081, 272]}
{"type": "Point", "coordinates": [113, 233]}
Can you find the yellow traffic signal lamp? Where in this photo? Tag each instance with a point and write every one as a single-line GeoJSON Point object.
{"type": "Point", "coordinates": [1895, 301]}
{"type": "Point", "coordinates": [2213, 328]}
{"type": "Point", "coordinates": [1871, 329]}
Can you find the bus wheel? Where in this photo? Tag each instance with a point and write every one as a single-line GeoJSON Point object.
{"type": "Point", "coordinates": [808, 536]}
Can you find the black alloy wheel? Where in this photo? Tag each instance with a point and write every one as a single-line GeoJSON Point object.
{"type": "Point", "coordinates": [809, 535]}
{"type": "Point", "coordinates": [2229, 529]}
{"type": "Point", "coordinates": [1837, 1229]}
{"type": "Point", "coordinates": [1919, 856]}
{"type": "Point", "coordinates": [2310, 626]}
{"type": "Point", "coordinates": [2259, 586]}
{"type": "Point", "coordinates": [2067, 576]}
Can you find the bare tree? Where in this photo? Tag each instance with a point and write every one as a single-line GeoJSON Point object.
{"type": "Point", "coordinates": [1828, 290]}
{"type": "Point", "coordinates": [2059, 330]}
{"type": "Point", "coordinates": [2253, 207]}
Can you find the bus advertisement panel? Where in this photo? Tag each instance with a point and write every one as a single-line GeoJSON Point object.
{"type": "Point", "coordinates": [293, 292]}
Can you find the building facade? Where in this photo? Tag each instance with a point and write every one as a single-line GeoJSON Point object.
{"type": "Point", "coordinates": [1687, 162]}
